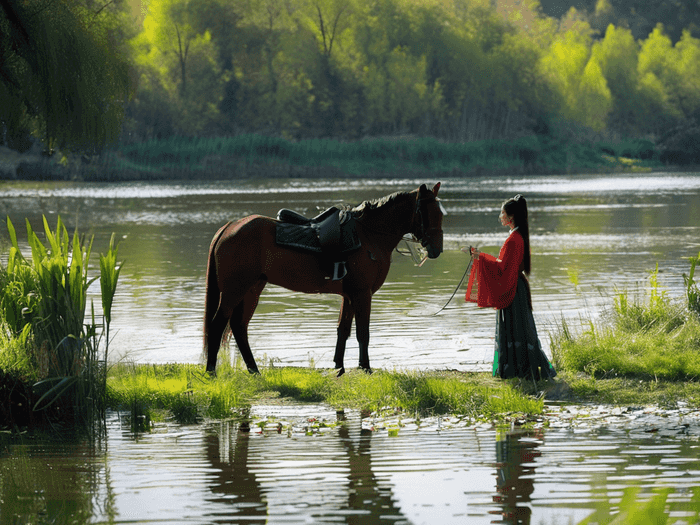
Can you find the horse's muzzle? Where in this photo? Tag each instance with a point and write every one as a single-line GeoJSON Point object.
{"type": "Point", "coordinates": [433, 247]}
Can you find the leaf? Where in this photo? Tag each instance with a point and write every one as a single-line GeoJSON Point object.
{"type": "Point", "coordinates": [64, 383]}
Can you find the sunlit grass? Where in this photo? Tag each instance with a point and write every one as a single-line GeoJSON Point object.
{"type": "Point", "coordinates": [184, 393]}
{"type": "Point", "coordinates": [643, 350]}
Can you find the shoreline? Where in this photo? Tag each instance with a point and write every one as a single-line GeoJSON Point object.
{"type": "Point", "coordinates": [114, 167]}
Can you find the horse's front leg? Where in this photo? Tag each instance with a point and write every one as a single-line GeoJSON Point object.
{"type": "Point", "coordinates": [347, 312]}
{"type": "Point", "coordinates": [363, 305]}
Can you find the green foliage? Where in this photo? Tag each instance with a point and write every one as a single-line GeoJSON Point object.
{"type": "Point", "coordinates": [367, 156]}
{"type": "Point", "coordinates": [472, 71]}
{"type": "Point", "coordinates": [63, 76]}
{"type": "Point", "coordinates": [692, 291]}
{"type": "Point", "coordinates": [654, 339]}
{"type": "Point", "coordinates": [634, 509]}
{"type": "Point", "coordinates": [43, 311]}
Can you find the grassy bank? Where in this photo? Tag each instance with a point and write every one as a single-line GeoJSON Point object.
{"type": "Point", "coordinates": [246, 156]}
{"type": "Point", "coordinates": [186, 394]}
{"type": "Point", "coordinates": [645, 349]}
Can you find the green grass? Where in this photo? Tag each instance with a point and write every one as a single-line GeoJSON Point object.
{"type": "Point", "coordinates": [185, 394]}
{"type": "Point", "coordinates": [644, 350]}
{"type": "Point", "coordinates": [376, 155]}
{"type": "Point", "coordinates": [649, 339]}
{"type": "Point", "coordinates": [637, 509]}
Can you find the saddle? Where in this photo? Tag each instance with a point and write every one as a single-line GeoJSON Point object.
{"type": "Point", "coordinates": [332, 234]}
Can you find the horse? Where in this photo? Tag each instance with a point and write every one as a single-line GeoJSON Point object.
{"type": "Point", "coordinates": [244, 257]}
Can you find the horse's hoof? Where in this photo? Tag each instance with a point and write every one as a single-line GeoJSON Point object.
{"type": "Point", "coordinates": [341, 371]}
{"type": "Point", "coordinates": [367, 370]}
{"type": "Point", "coordinates": [254, 371]}
{"type": "Point", "coordinates": [211, 373]}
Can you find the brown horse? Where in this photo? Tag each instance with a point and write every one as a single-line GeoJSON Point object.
{"type": "Point", "coordinates": [243, 258]}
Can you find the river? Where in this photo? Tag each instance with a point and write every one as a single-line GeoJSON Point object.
{"type": "Point", "coordinates": [602, 233]}
{"type": "Point", "coordinates": [590, 235]}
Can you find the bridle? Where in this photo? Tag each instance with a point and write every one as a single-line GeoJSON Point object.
{"type": "Point", "coordinates": [423, 234]}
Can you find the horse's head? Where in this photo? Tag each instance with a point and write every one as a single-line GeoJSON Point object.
{"type": "Point", "coordinates": [428, 220]}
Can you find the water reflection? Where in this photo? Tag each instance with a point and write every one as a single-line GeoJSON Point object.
{"type": "Point", "coordinates": [282, 481]}
{"type": "Point", "coordinates": [515, 475]}
{"type": "Point", "coordinates": [446, 471]}
{"type": "Point", "coordinates": [233, 484]}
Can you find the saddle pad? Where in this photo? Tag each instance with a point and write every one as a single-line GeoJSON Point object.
{"type": "Point", "coordinates": [306, 238]}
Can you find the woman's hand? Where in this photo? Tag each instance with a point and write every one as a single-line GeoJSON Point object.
{"type": "Point", "coordinates": [474, 252]}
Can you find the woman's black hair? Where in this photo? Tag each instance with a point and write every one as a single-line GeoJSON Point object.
{"type": "Point", "coordinates": [516, 207]}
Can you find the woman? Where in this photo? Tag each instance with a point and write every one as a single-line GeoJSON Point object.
{"type": "Point", "coordinates": [502, 284]}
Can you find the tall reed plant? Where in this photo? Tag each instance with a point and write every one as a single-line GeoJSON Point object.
{"type": "Point", "coordinates": [44, 299]}
{"type": "Point", "coordinates": [649, 338]}
{"type": "Point", "coordinates": [692, 292]}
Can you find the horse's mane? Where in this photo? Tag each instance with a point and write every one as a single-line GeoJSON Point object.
{"type": "Point", "coordinates": [375, 204]}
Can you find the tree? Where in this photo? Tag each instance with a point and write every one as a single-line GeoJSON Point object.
{"type": "Point", "coordinates": [617, 54]}
{"type": "Point", "coordinates": [177, 54]}
{"type": "Point", "coordinates": [60, 74]}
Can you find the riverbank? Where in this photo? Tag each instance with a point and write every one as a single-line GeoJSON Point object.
{"type": "Point", "coordinates": [251, 156]}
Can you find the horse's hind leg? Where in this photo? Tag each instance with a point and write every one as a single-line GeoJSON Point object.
{"type": "Point", "coordinates": [240, 319]}
{"type": "Point", "coordinates": [347, 312]}
{"type": "Point", "coordinates": [216, 332]}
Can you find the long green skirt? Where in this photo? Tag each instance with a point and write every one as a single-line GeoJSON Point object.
{"type": "Point", "coordinates": [518, 352]}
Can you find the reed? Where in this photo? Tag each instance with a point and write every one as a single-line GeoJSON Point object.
{"type": "Point", "coordinates": [44, 309]}
{"type": "Point", "coordinates": [637, 509]}
{"type": "Point", "coordinates": [647, 338]}
{"type": "Point", "coordinates": [369, 156]}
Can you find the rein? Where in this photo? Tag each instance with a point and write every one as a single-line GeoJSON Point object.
{"type": "Point", "coordinates": [458, 286]}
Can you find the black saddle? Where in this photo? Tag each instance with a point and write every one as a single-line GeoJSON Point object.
{"type": "Point", "coordinates": [332, 233]}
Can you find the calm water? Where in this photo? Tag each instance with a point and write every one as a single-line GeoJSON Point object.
{"type": "Point", "coordinates": [607, 232]}
{"type": "Point", "coordinates": [443, 471]}
{"type": "Point", "coordinates": [604, 233]}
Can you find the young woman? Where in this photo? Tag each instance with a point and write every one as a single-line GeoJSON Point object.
{"type": "Point", "coordinates": [502, 284]}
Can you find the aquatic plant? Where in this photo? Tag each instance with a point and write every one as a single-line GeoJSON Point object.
{"type": "Point", "coordinates": [43, 307]}
{"type": "Point", "coordinates": [647, 339]}
{"type": "Point", "coordinates": [634, 509]}
{"type": "Point", "coordinates": [369, 156]}
{"type": "Point", "coordinates": [692, 292]}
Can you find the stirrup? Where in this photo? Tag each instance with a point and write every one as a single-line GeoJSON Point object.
{"type": "Point", "coordinates": [339, 270]}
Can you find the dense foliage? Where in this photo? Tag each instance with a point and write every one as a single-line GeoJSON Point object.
{"type": "Point", "coordinates": [458, 70]}
{"type": "Point", "coordinates": [63, 76]}
{"type": "Point", "coordinates": [462, 70]}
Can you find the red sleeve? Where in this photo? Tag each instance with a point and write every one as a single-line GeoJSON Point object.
{"type": "Point", "coordinates": [498, 278]}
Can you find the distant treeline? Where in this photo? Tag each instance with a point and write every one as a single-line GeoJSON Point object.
{"type": "Point", "coordinates": [458, 71]}
{"type": "Point", "coordinates": [468, 70]}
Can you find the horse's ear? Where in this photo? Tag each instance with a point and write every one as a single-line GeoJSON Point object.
{"type": "Point", "coordinates": [423, 188]}
{"type": "Point", "coordinates": [436, 188]}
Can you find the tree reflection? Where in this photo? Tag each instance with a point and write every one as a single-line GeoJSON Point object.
{"type": "Point", "coordinates": [515, 475]}
{"type": "Point", "coordinates": [50, 482]}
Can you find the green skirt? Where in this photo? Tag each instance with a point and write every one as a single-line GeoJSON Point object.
{"type": "Point", "coordinates": [518, 352]}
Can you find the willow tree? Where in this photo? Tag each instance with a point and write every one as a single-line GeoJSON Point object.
{"type": "Point", "coordinates": [60, 73]}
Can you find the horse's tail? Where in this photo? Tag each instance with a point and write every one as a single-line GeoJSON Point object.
{"type": "Point", "coordinates": [212, 293]}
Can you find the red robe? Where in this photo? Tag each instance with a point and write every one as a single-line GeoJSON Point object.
{"type": "Point", "coordinates": [498, 277]}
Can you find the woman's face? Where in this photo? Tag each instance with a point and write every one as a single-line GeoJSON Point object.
{"type": "Point", "coordinates": [506, 220]}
